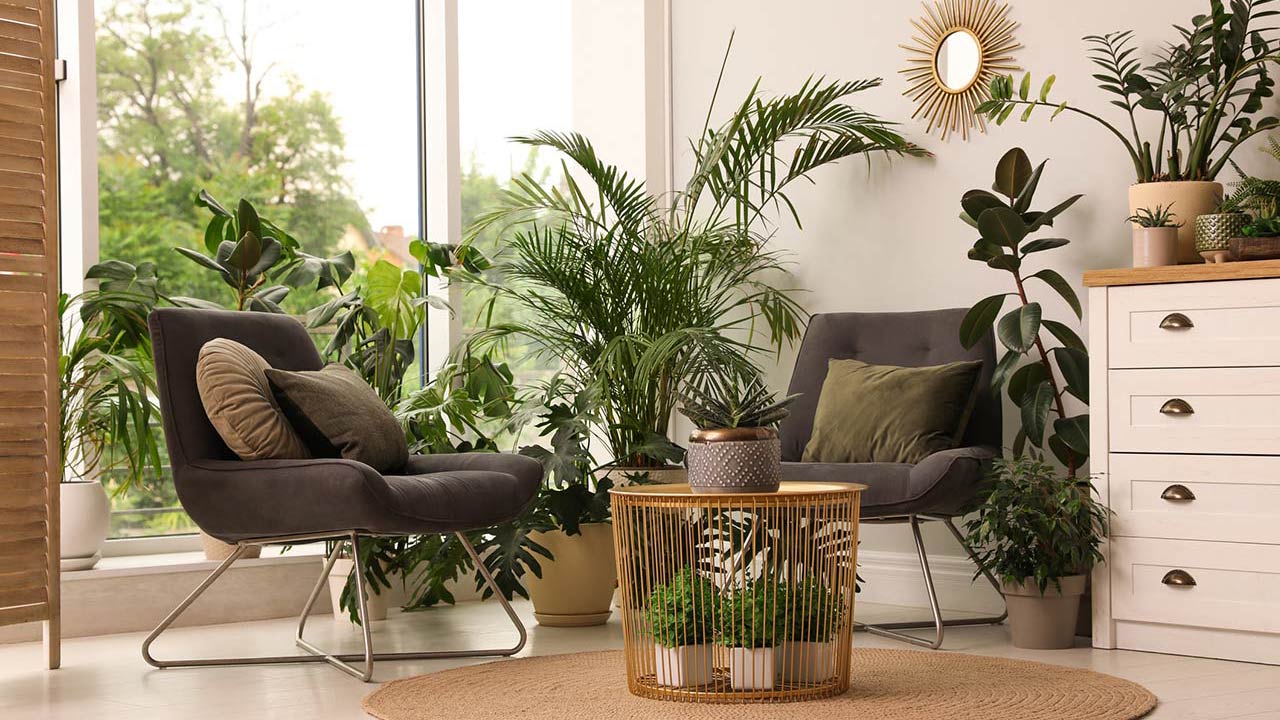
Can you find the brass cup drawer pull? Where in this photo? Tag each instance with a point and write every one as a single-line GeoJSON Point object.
{"type": "Point", "coordinates": [1176, 406]}
{"type": "Point", "coordinates": [1178, 578]}
{"type": "Point", "coordinates": [1176, 321]}
{"type": "Point", "coordinates": [1178, 493]}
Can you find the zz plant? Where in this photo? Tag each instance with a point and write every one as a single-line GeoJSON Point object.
{"type": "Point", "coordinates": [1005, 222]}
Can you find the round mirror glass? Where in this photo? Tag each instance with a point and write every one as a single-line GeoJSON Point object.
{"type": "Point", "coordinates": [958, 61]}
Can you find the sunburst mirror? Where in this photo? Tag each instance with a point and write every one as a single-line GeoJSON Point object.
{"type": "Point", "coordinates": [962, 45]}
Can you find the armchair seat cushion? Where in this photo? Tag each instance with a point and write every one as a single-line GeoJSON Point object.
{"type": "Point", "coordinates": [940, 484]}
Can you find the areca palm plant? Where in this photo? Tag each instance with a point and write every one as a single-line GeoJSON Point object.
{"type": "Point", "coordinates": [644, 294]}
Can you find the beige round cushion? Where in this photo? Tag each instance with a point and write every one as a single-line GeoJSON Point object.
{"type": "Point", "coordinates": [232, 380]}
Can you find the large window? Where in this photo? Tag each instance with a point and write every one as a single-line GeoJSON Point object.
{"type": "Point", "coordinates": [308, 108]}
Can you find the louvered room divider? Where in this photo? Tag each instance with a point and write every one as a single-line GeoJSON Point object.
{"type": "Point", "coordinates": [30, 466]}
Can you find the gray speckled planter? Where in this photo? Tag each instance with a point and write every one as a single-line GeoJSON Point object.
{"type": "Point", "coordinates": [744, 460]}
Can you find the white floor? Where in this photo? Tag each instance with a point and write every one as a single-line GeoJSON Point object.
{"type": "Point", "coordinates": [104, 678]}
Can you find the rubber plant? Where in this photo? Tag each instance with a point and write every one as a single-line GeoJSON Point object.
{"type": "Point", "coordinates": [1005, 222]}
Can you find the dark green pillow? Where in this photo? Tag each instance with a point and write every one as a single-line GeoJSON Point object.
{"type": "Point", "coordinates": [882, 413]}
{"type": "Point", "coordinates": [337, 414]}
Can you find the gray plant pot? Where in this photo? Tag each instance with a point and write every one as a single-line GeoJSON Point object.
{"type": "Point", "coordinates": [737, 460]}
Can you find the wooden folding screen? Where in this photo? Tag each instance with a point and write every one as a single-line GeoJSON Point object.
{"type": "Point", "coordinates": [30, 466]}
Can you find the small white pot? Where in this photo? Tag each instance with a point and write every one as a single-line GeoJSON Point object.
{"type": "Point", "coordinates": [338, 575]}
{"type": "Point", "coordinates": [85, 518]}
{"type": "Point", "coordinates": [751, 668]}
{"type": "Point", "coordinates": [684, 666]}
{"type": "Point", "coordinates": [805, 662]}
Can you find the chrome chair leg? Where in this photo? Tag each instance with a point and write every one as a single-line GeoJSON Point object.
{"type": "Point", "coordinates": [315, 654]}
{"type": "Point", "coordinates": [893, 630]}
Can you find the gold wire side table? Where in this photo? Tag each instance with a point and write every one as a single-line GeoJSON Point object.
{"type": "Point", "coordinates": [737, 597]}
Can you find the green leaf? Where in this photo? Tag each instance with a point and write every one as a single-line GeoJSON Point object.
{"type": "Point", "coordinates": [1005, 261]}
{"type": "Point", "coordinates": [1024, 90]}
{"type": "Point", "coordinates": [1035, 412]}
{"type": "Point", "coordinates": [201, 259]}
{"type": "Point", "coordinates": [1064, 334]}
{"type": "Point", "coordinates": [214, 232]}
{"type": "Point", "coordinates": [1058, 111]}
{"type": "Point", "coordinates": [1026, 114]}
{"type": "Point", "coordinates": [1074, 365]}
{"type": "Point", "coordinates": [978, 321]}
{"type": "Point", "coordinates": [975, 202]}
{"type": "Point", "coordinates": [1023, 201]}
{"type": "Point", "coordinates": [1003, 226]}
{"type": "Point", "coordinates": [1026, 379]}
{"type": "Point", "coordinates": [984, 251]}
{"type": "Point", "coordinates": [1018, 329]}
{"type": "Point", "coordinates": [1058, 283]}
{"type": "Point", "coordinates": [206, 200]}
{"type": "Point", "coordinates": [1002, 370]}
{"type": "Point", "coordinates": [1046, 87]}
{"type": "Point", "coordinates": [1004, 115]}
{"type": "Point", "coordinates": [247, 253]}
{"type": "Point", "coordinates": [1046, 218]}
{"type": "Point", "coordinates": [1043, 244]}
{"type": "Point", "coordinates": [1012, 173]}
{"type": "Point", "coordinates": [1074, 432]}
{"type": "Point", "coordinates": [247, 219]}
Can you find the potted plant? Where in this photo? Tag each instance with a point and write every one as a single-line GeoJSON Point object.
{"type": "Point", "coordinates": [735, 447]}
{"type": "Point", "coordinates": [106, 401]}
{"type": "Point", "coordinates": [1038, 532]}
{"type": "Point", "coordinates": [1198, 124]}
{"type": "Point", "coordinates": [682, 616]}
{"type": "Point", "coordinates": [749, 620]}
{"type": "Point", "coordinates": [640, 290]}
{"type": "Point", "coordinates": [806, 653]}
{"type": "Point", "coordinates": [1155, 236]}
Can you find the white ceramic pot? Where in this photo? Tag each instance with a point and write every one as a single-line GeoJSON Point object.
{"type": "Point", "coordinates": [338, 575]}
{"type": "Point", "coordinates": [684, 666]}
{"type": "Point", "coordinates": [1153, 247]}
{"type": "Point", "coordinates": [805, 662]}
{"type": "Point", "coordinates": [85, 518]}
{"type": "Point", "coordinates": [576, 588]}
{"type": "Point", "coordinates": [1189, 200]}
{"type": "Point", "coordinates": [751, 668]}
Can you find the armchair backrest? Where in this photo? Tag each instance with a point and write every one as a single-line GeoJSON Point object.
{"type": "Point", "coordinates": [909, 339]}
{"type": "Point", "coordinates": [177, 334]}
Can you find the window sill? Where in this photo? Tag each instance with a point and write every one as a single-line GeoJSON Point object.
{"type": "Point", "coordinates": [173, 562]}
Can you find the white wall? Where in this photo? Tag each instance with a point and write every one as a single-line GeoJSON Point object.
{"type": "Point", "coordinates": [891, 240]}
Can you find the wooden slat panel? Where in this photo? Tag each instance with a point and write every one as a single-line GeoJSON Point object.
{"type": "Point", "coordinates": [18, 316]}
{"type": "Point", "coordinates": [21, 81]}
{"type": "Point", "coordinates": [22, 366]}
{"type": "Point", "coordinates": [25, 198]}
{"type": "Point", "coordinates": [21, 98]}
{"type": "Point", "coordinates": [26, 131]}
{"type": "Point", "coordinates": [26, 214]}
{"type": "Point", "coordinates": [17, 163]}
{"type": "Point", "coordinates": [21, 246]}
{"type": "Point", "coordinates": [11, 228]}
{"type": "Point", "coordinates": [18, 146]}
{"type": "Point", "coordinates": [22, 264]}
{"type": "Point", "coordinates": [25, 613]}
{"type": "Point", "coordinates": [26, 301]}
{"type": "Point", "coordinates": [19, 448]}
{"type": "Point", "coordinates": [26, 334]}
{"type": "Point", "coordinates": [23, 14]}
{"type": "Point", "coordinates": [11, 433]}
{"type": "Point", "coordinates": [20, 517]}
{"type": "Point", "coordinates": [35, 531]}
{"type": "Point", "coordinates": [14, 416]}
{"type": "Point", "coordinates": [21, 31]}
{"type": "Point", "coordinates": [22, 564]}
{"type": "Point", "coordinates": [20, 48]}
{"type": "Point", "coordinates": [19, 491]}
{"type": "Point", "coordinates": [21, 283]}
{"type": "Point", "coordinates": [27, 596]}
{"type": "Point", "coordinates": [21, 548]}
{"type": "Point", "coordinates": [20, 399]}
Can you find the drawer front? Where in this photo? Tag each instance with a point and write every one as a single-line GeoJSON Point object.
{"type": "Point", "coordinates": [1195, 497]}
{"type": "Point", "coordinates": [1236, 585]}
{"type": "Point", "coordinates": [1205, 411]}
{"type": "Point", "coordinates": [1212, 324]}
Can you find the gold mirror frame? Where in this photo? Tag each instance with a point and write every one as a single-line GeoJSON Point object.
{"type": "Point", "coordinates": [942, 107]}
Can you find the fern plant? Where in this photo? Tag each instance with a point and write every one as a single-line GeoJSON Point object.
{"type": "Point", "coordinates": [725, 402]}
{"type": "Point", "coordinates": [682, 611]}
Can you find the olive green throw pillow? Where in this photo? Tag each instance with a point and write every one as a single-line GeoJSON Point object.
{"type": "Point", "coordinates": [339, 415]}
{"type": "Point", "coordinates": [882, 413]}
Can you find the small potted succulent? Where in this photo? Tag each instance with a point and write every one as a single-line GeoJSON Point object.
{"type": "Point", "coordinates": [1038, 532]}
{"type": "Point", "coordinates": [1155, 236]}
{"type": "Point", "coordinates": [749, 621]}
{"type": "Point", "coordinates": [735, 448]}
{"type": "Point", "coordinates": [681, 614]}
{"type": "Point", "coordinates": [806, 653]}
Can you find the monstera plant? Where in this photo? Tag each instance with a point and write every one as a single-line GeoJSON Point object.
{"type": "Point", "coordinates": [1006, 223]}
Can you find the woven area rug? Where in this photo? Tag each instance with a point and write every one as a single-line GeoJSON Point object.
{"type": "Point", "coordinates": [886, 685]}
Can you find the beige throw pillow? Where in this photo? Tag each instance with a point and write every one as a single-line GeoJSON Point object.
{"type": "Point", "coordinates": [232, 380]}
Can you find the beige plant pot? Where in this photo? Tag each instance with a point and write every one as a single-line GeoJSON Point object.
{"type": "Point", "coordinates": [1153, 247]}
{"type": "Point", "coordinates": [85, 518]}
{"type": "Point", "coordinates": [215, 549]}
{"type": "Point", "coordinates": [1189, 198]}
{"type": "Point", "coordinates": [1048, 621]}
{"type": "Point", "coordinates": [338, 575]}
{"type": "Point", "coordinates": [684, 666]}
{"type": "Point", "coordinates": [576, 588]}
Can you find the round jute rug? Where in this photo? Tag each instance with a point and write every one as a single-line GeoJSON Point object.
{"type": "Point", "coordinates": [886, 685]}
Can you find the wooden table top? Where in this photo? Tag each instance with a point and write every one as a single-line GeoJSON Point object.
{"type": "Point", "coordinates": [1200, 272]}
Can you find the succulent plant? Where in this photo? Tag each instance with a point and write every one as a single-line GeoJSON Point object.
{"type": "Point", "coordinates": [1161, 217]}
{"type": "Point", "coordinates": [720, 402]}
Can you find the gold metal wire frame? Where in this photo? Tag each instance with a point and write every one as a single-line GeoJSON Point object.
{"type": "Point", "coordinates": [953, 110]}
{"type": "Point", "coordinates": [754, 593]}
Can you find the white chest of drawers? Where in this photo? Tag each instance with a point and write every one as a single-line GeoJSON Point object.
{"type": "Point", "coordinates": [1185, 432]}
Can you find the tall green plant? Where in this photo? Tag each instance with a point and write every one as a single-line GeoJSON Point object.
{"type": "Point", "coordinates": [641, 293]}
{"type": "Point", "coordinates": [1005, 223]}
{"type": "Point", "coordinates": [1205, 90]}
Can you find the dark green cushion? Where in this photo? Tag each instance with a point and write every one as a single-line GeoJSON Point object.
{"type": "Point", "coordinates": [337, 414]}
{"type": "Point", "coordinates": [882, 413]}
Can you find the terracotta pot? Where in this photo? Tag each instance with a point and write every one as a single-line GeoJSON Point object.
{"type": "Point", "coordinates": [1189, 198]}
{"type": "Point", "coordinates": [85, 518]}
{"type": "Point", "coordinates": [805, 662]}
{"type": "Point", "coordinates": [1153, 247]}
{"type": "Point", "coordinates": [734, 460]}
{"type": "Point", "coordinates": [338, 575]}
{"type": "Point", "coordinates": [1048, 621]}
{"type": "Point", "coordinates": [215, 549]}
{"type": "Point", "coordinates": [684, 666]}
{"type": "Point", "coordinates": [751, 668]}
{"type": "Point", "coordinates": [576, 588]}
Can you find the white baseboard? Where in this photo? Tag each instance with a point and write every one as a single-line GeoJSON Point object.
{"type": "Point", "coordinates": [895, 578]}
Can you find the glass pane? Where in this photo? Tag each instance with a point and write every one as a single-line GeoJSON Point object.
{"type": "Point", "coordinates": [305, 108]}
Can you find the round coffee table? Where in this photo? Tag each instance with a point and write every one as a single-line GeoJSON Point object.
{"type": "Point", "coordinates": [731, 597]}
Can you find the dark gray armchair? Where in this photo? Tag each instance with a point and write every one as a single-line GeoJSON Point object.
{"type": "Point", "coordinates": [296, 501]}
{"type": "Point", "coordinates": [938, 488]}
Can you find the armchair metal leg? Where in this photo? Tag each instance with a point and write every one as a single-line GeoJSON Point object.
{"type": "Point", "coordinates": [315, 654]}
{"type": "Point", "coordinates": [939, 625]}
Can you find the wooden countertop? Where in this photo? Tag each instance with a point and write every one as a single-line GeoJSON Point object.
{"type": "Point", "coordinates": [1202, 272]}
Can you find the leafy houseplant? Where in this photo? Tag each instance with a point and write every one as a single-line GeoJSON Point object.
{"type": "Point", "coordinates": [682, 616]}
{"type": "Point", "coordinates": [644, 292]}
{"type": "Point", "coordinates": [1155, 237]}
{"type": "Point", "coordinates": [735, 446]}
{"type": "Point", "coordinates": [1039, 388]}
{"type": "Point", "coordinates": [1262, 227]}
{"type": "Point", "coordinates": [1037, 529]}
{"type": "Point", "coordinates": [750, 620]}
{"type": "Point", "coordinates": [805, 653]}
